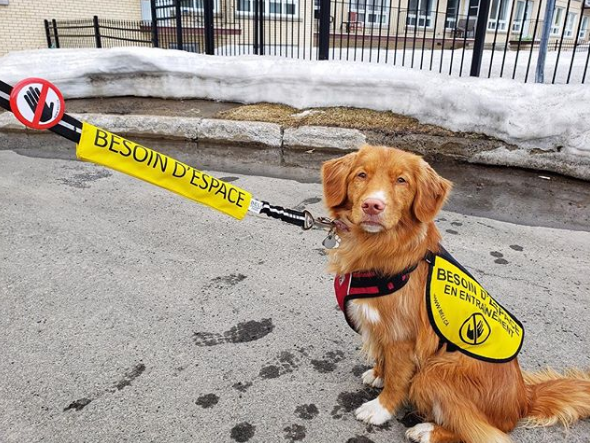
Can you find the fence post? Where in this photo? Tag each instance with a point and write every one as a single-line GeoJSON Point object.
{"type": "Point", "coordinates": [209, 27]}
{"type": "Point", "coordinates": [55, 36]}
{"type": "Point", "coordinates": [324, 31]}
{"type": "Point", "coordinates": [255, 36]}
{"type": "Point", "coordinates": [179, 44]}
{"type": "Point", "coordinates": [540, 73]}
{"type": "Point", "coordinates": [155, 36]}
{"type": "Point", "coordinates": [48, 34]}
{"type": "Point", "coordinates": [261, 27]}
{"type": "Point", "coordinates": [480, 36]}
{"type": "Point", "coordinates": [97, 32]}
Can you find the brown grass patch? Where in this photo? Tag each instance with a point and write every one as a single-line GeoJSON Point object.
{"type": "Point", "coordinates": [336, 117]}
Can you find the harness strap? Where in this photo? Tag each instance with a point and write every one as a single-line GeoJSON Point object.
{"type": "Point", "coordinates": [367, 284]}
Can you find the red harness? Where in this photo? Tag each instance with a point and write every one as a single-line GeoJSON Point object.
{"type": "Point", "coordinates": [367, 284]}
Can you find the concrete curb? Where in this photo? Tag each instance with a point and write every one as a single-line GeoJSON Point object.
{"type": "Point", "coordinates": [213, 130]}
{"type": "Point", "coordinates": [564, 164]}
{"type": "Point", "coordinates": [271, 136]}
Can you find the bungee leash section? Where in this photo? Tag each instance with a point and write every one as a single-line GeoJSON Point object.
{"type": "Point", "coordinates": [38, 104]}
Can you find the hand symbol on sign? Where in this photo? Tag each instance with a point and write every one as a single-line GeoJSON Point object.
{"type": "Point", "coordinates": [32, 98]}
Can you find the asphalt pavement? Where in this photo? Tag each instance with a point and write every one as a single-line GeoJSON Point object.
{"type": "Point", "coordinates": [130, 314]}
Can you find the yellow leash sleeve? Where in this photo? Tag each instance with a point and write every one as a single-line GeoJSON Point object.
{"type": "Point", "coordinates": [107, 149]}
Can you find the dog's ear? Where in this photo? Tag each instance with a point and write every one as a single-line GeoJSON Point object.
{"type": "Point", "coordinates": [334, 174]}
{"type": "Point", "coordinates": [431, 193]}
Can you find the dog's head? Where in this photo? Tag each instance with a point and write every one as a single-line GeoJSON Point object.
{"type": "Point", "coordinates": [377, 188]}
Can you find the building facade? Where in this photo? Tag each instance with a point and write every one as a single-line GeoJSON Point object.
{"type": "Point", "coordinates": [21, 21]}
{"type": "Point", "coordinates": [290, 27]}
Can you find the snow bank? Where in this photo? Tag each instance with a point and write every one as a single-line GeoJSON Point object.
{"type": "Point", "coordinates": [552, 118]}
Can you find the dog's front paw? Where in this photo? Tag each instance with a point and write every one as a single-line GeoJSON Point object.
{"type": "Point", "coordinates": [373, 412]}
{"type": "Point", "coordinates": [420, 433]}
{"type": "Point", "coordinates": [370, 379]}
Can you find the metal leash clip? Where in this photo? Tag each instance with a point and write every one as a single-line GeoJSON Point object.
{"type": "Point", "coordinates": [319, 222]}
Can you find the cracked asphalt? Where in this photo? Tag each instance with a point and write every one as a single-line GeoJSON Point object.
{"type": "Point", "coordinates": [130, 314]}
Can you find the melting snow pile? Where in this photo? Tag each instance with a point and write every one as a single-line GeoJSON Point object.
{"type": "Point", "coordinates": [551, 119]}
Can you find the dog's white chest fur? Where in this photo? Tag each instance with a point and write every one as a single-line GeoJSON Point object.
{"type": "Point", "coordinates": [362, 313]}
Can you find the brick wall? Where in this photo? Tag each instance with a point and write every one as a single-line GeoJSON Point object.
{"type": "Point", "coordinates": [21, 21]}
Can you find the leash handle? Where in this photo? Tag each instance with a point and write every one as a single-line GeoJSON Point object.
{"type": "Point", "coordinates": [303, 219]}
{"type": "Point", "coordinates": [68, 127]}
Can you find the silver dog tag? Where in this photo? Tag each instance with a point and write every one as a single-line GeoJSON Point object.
{"type": "Point", "coordinates": [331, 241]}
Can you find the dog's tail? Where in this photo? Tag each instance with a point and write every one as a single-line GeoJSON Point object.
{"type": "Point", "coordinates": [557, 398]}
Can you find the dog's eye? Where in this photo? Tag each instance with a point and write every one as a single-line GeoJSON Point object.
{"type": "Point", "coordinates": [362, 175]}
{"type": "Point", "coordinates": [401, 180]}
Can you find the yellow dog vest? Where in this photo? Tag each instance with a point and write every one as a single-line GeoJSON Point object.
{"type": "Point", "coordinates": [464, 314]}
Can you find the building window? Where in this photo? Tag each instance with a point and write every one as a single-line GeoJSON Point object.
{"type": "Point", "coordinates": [188, 6]}
{"type": "Point", "coordinates": [583, 28]}
{"type": "Point", "coordinates": [165, 10]}
{"type": "Point", "coordinates": [451, 14]}
{"type": "Point", "coordinates": [473, 8]}
{"type": "Point", "coordinates": [499, 15]}
{"type": "Point", "coordinates": [425, 13]}
{"type": "Point", "coordinates": [569, 24]}
{"type": "Point", "coordinates": [275, 8]}
{"type": "Point", "coordinates": [369, 12]}
{"type": "Point", "coordinates": [557, 21]}
{"type": "Point", "coordinates": [523, 16]}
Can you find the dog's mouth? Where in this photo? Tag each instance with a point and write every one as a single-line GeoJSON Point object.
{"type": "Point", "coordinates": [372, 225]}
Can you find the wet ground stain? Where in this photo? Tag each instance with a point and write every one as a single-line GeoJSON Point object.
{"type": "Point", "coordinates": [81, 180]}
{"type": "Point", "coordinates": [269, 372]}
{"type": "Point", "coordinates": [243, 432]}
{"type": "Point", "coordinates": [285, 363]}
{"type": "Point", "coordinates": [295, 432]}
{"type": "Point", "coordinates": [328, 363]}
{"type": "Point", "coordinates": [229, 280]}
{"type": "Point", "coordinates": [307, 412]}
{"type": "Point", "coordinates": [349, 401]}
{"type": "Point", "coordinates": [241, 333]}
{"type": "Point", "coordinates": [359, 370]}
{"type": "Point", "coordinates": [127, 379]}
{"type": "Point", "coordinates": [359, 439]}
{"type": "Point", "coordinates": [411, 419]}
{"type": "Point", "coordinates": [242, 387]}
{"type": "Point", "coordinates": [384, 427]}
{"type": "Point", "coordinates": [499, 259]}
{"type": "Point", "coordinates": [229, 179]}
{"type": "Point", "coordinates": [131, 375]}
{"type": "Point", "coordinates": [207, 401]}
{"type": "Point", "coordinates": [321, 251]}
{"type": "Point", "coordinates": [78, 405]}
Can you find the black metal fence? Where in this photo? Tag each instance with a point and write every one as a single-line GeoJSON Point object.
{"type": "Point", "coordinates": [487, 38]}
{"type": "Point", "coordinates": [98, 33]}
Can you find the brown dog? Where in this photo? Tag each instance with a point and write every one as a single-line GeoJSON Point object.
{"type": "Point", "coordinates": [388, 199]}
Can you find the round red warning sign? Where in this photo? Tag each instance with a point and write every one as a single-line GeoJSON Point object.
{"type": "Point", "coordinates": [37, 103]}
